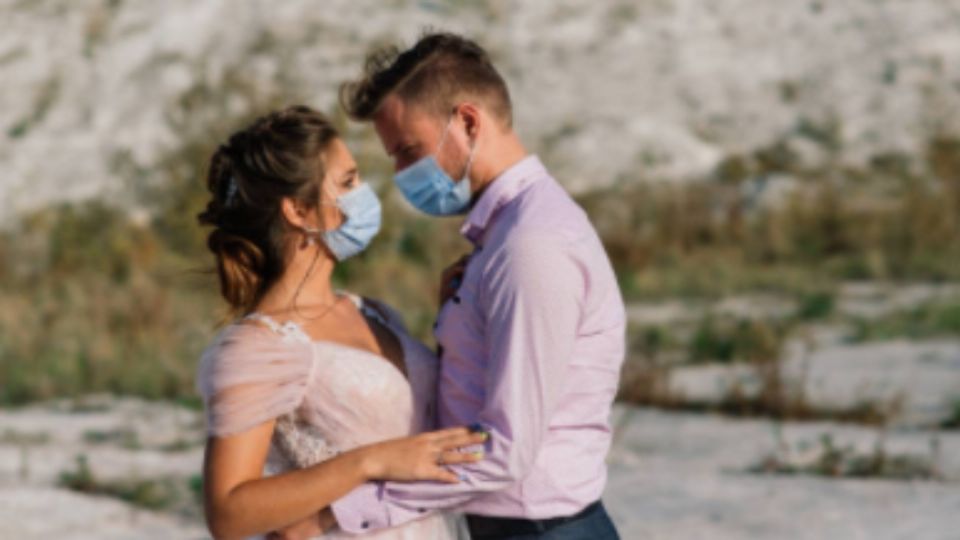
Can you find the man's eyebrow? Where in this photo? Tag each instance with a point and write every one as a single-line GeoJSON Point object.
{"type": "Point", "coordinates": [400, 146]}
{"type": "Point", "coordinates": [396, 148]}
{"type": "Point", "coordinates": [351, 172]}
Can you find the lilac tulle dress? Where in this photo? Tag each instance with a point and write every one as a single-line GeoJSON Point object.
{"type": "Point", "coordinates": [326, 398]}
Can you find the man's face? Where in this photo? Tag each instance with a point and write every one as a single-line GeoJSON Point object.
{"type": "Point", "coordinates": [409, 133]}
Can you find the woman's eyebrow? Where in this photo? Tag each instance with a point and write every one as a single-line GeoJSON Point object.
{"type": "Point", "coordinates": [350, 173]}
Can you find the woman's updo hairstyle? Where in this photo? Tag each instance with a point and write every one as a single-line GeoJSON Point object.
{"type": "Point", "coordinates": [279, 155]}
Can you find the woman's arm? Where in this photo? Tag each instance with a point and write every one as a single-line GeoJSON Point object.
{"type": "Point", "coordinates": [311, 527]}
{"type": "Point", "coordinates": [240, 502]}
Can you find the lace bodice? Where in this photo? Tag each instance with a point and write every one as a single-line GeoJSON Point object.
{"type": "Point", "coordinates": [326, 397]}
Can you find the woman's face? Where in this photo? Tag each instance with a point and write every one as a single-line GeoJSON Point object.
{"type": "Point", "coordinates": [341, 177]}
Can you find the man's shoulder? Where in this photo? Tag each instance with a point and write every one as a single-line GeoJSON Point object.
{"type": "Point", "coordinates": [548, 213]}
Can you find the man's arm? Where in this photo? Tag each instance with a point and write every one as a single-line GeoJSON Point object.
{"type": "Point", "coordinates": [532, 306]}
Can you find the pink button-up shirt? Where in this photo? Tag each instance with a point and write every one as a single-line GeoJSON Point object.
{"type": "Point", "coordinates": [532, 348]}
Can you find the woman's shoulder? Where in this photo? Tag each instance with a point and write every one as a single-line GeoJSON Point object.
{"type": "Point", "coordinates": [248, 375]}
{"type": "Point", "coordinates": [238, 335]}
{"type": "Point", "coordinates": [377, 308]}
{"type": "Point", "coordinates": [247, 348]}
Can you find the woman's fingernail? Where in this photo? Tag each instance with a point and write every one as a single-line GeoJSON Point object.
{"type": "Point", "coordinates": [478, 455]}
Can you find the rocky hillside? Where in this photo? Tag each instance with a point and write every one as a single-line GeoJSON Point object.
{"type": "Point", "coordinates": [97, 92]}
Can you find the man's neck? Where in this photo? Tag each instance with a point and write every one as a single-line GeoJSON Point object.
{"type": "Point", "coordinates": [501, 156]}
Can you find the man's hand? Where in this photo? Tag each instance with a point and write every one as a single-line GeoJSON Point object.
{"type": "Point", "coordinates": [310, 527]}
{"type": "Point", "coordinates": [451, 279]}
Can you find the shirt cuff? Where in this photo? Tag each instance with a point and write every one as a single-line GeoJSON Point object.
{"type": "Point", "coordinates": [362, 510]}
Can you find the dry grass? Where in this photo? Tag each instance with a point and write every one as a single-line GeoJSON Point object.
{"type": "Point", "coordinates": [96, 302]}
{"type": "Point", "coordinates": [711, 239]}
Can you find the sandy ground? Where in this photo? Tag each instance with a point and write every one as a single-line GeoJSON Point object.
{"type": "Point", "coordinates": [682, 476]}
{"type": "Point", "coordinates": [122, 439]}
{"type": "Point", "coordinates": [47, 512]}
{"type": "Point", "coordinates": [672, 475]}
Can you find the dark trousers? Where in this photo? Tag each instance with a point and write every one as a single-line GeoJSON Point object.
{"type": "Point", "coordinates": [592, 523]}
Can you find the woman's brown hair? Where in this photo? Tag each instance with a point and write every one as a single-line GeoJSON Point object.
{"type": "Point", "coordinates": [279, 155]}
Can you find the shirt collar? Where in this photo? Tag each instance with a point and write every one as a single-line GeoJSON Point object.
{"type": "Point", "coordinates": [500, 191]}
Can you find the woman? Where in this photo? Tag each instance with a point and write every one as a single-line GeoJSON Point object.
{"type": "Point", "coordinates": [303, 390]}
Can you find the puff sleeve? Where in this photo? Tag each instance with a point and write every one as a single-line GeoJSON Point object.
{"type": "Point", "coordinates": [248, 376]}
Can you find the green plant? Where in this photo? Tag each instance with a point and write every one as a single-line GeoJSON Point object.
{"type": "Point", "coordinates": [195, 484]}
{"type": "Point", "coordinates": [952, 421]}
{"type": "Point", "coordinates": [153, 494]}
{"type": "Point", "coordinates": [123, 437]}
{"type": "Point", "coordinates": [815, 306]}
{"type": "Point", "coordinates": [933, 319]}
{"type": "Point", "coordinates": [834, 461]}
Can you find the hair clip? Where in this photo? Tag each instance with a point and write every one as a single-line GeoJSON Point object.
{"type": "Point", "coordinates": [231, 191]}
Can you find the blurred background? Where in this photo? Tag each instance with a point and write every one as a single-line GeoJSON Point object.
{"type": "Point", "coordinates": [777, 184]}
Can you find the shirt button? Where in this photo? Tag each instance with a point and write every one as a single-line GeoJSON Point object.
{"type": "Point", "coordinates": [456, 299]}
{"type": "Point", "coordinates": [421, 510]}
{"type": "Point", "coordinates": [365, 524]}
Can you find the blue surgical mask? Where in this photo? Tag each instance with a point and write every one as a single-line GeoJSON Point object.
{"type": "Point", "coordinates": [361, 209]}
{"type": "Point", "coordinates": [430, 189]}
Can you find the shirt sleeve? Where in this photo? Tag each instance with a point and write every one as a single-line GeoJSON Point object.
{"type": "Point", "coordinates": [531, 301]}
{"type": "Point", "coordinates": [246, 378]}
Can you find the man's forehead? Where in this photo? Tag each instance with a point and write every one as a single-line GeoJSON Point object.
{"type": "Point", "coordinates": [399, 122]}
{"type": "Point", "coordinates": [388, 120]}
{"type": "Point", "coordinates": [392, 112]}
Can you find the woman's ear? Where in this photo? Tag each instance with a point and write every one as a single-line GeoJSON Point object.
{"type": "Point", "coordinates": [295, 213]}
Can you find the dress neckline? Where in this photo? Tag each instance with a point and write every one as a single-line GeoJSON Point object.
{"type": "Point", "coordinates": [293, 329]}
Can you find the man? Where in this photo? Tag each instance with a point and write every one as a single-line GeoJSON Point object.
{"type": "Point", "coordinates": [533, 340]}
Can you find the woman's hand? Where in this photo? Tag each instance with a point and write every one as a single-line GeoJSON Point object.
{"type": "Point", "coordinates": [423, 456]}
{"type": "Point", "coordinates": [451, 278]}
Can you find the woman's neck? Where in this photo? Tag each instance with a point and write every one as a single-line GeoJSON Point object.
{"type": "Point", "coordinates": [304, 288]}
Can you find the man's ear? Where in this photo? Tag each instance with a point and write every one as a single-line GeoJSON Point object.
{"type": "Point", "coordinates": [471, 117]}
{"type": "Point", "coordinates": [295, 213]}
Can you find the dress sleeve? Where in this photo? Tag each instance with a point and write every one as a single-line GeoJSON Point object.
{"type": "Point", "coordinates": [248, 376]}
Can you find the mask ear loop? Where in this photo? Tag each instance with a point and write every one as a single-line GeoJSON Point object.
{"type": "Point", "coordinates": [473, 147]}
{"type": "Point", "coordinates": [314, 232]}
{"type": "Point", "coordinates": [443, 136]}
{"type": "Point", "coordinates": [473, 152]}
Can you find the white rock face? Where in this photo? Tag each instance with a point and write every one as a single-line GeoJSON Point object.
{"type": "Point", "coordinates": [605, 91]}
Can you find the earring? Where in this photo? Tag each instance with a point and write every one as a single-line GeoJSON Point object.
{"type": "Point", "coordinates": [309, 238]}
